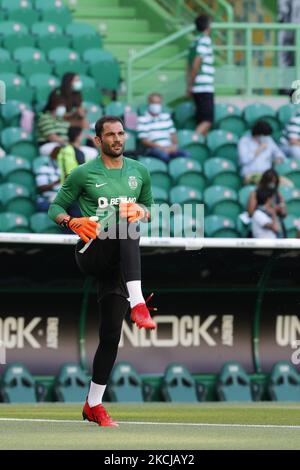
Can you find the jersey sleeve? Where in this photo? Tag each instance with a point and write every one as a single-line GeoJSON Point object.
{"type": "Point", "coordinates": [146, 197]}
{"type": "Point", "coordinates": [68, 193]}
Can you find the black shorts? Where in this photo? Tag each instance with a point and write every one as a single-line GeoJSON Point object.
{"type": "Point", "coordinates": [204, 103]}
{"type": "Point", "coordinates": [102, 261]}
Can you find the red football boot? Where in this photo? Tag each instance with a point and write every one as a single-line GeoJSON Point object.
{"type": "Point", "coordinates": [141, 316]}
{"type": "Point", "coordinates": [99, 415]}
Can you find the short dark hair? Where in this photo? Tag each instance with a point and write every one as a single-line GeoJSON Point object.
{"type": "Point", "coordinates": [262, 128]}
{"type": "Point", "coordinates": [267, 177]}
{"type": "Point", "coordinates": [202, 22]}
{"type": "Point", "coordinates": [263, 194]}
{"type": "Point", "coordinates": [100, 123]}
{"type": "Point", "coordinates": [73, 133]}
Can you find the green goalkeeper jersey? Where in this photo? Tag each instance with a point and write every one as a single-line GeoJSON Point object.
{"type": "Point", "coordinates": [99, 190]}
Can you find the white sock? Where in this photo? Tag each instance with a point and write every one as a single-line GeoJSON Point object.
{"type": "Point", "coordinates": [135, 293]}
{"type": "Point", "coordinates": [95, 394]}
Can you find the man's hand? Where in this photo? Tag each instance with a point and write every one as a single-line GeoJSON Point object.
{"type": "Point", "coordinates": [132, 211]}
{"type": "Point", "coordinates": [84, 227]}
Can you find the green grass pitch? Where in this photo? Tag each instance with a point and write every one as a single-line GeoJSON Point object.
{"type": "Point", "coordinates": [153, 426]}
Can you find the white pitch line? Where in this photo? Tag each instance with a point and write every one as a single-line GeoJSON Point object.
{"type": "Point", "coordinates": [222, 425]}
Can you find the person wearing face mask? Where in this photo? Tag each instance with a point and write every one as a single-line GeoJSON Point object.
{"type": "Point", "coordinates": [265, 222]}
{"type": "Point", "coordinates": [52, 128]}
{"type": "Point", "coordinates": [258, 152]}
{"type": "Point", "coordinates": [157, 133]}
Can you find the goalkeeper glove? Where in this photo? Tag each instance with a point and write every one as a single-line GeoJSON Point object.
{"type": "Point", "coordinates": [133, 212]}
{"type": "Point", "coordinates": [85, 227]}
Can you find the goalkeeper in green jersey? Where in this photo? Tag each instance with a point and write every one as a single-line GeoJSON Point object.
{"type": "Point", "coordinates": [113, 192]}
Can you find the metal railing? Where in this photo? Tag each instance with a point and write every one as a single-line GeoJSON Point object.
{"type": "Point", "coordinates": [245, 77]}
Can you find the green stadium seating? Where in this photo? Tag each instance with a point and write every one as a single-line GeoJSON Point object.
{"type": "Point", "coordinates": [6, 64]}
{"type": "Point", "coordinates": [285, 112]}
{"type": "Point", "coordinates": [234, 384]}
{"type": "Point", "coordinates": [17, 385]}
{"type": "Point", "coordinates": [219, 226]}
{"type": "Point", "coordinates": [187, 225]}
{"type": "Point", "coordinates": [17, 170]}
{"type": "Point", "coordinates": [284, 383]}
{"type": "Point", "coordinates": [184, 115]}
{"type": "Point", "coordinates": [42, 85]}
{"type": "Point", "coordinates": [244, 194]}
{"type": "Point", "coordinates": [291, 169]}
{"type": "Point", "coordinates": [125, 385]}
{"type": "Point", "coordinates": [187, 172]}
{"type": "Point", "coordinates": [62, 54]}
{"type": "Point", "coordinates": [292, 225]}
{"type": "Point", "coordinates": [185, 195]}
{"type": "Point", "coordinates": [292, 199]}
{"type": "Point", "coordinates": [107, 74]}
{"type": "Point", "coordinates": [221, 200]}
{"type": "Point", "coordinates": [32, 61]}
{"type": "Point", "coordinates": [130, 142]}
{"type": "Point", "coordinates": [71, 384]}
{"type": "Point", "coordinates": [83, 37]}
{"type": "Point", "coordinates": [194, 144]}
{"type": "Point", "coordinates": [20, 11]}
{"type": "Point", "coordinates": [38, 162]}
{"type": "Point", "coordinates": [54, 12]}
{"type": "Point", "coordinates": [49, 36]}
{"type": "Point", "coordinates": [16, 88]}
{"type": "Point", "coordinates": [18, 142]}
{"type": "Point", "coordinates": [160, 195]}
{"type": "Point", "coordinates": [158, 171]}
{"type": "Point", "coordinates": [14, 223]}
{"type": "Point", "coordinates": [222, 172]}
{"type": "Point", "coordinates": [94, 112]}
{"type": "Point", "coordinates": [115, 108]}
{"type": "Point", "coordinates": [14, 35]}
{"type": "Point", "coordinates": [11, 113]}
{"type": "Point", "coordinates": [90, 90]}
{"type": "Point", "coordinates": [158, 227]}
{"type": "Point", "coordinates": [97, 56]}
{"type": "Point", "coordinates": [16, 198]}
{"type": "Point", "coordinates": [229, 118]}
{"type": "Point", "coordinates": [259, 111]}
{"type": "Point", "coordinates": [65, 60]}
{"type": "Point", "coordinates": [178, 385]}
{"type": "Point", "coordinates": [40, 223]}
{"type": "Point", "coordinates": [223, 144]}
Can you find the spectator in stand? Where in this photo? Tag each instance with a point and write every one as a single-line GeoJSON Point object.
{"type": "Point", "coordinates": [70, 156]}
{"type": "Point", "coordinates": [48, 181]}
{"type": "Point", "coordinates": [265, 223]}
{"type": "Point", "coordinates": [157, 133]}
{"type": "Point", "coordinates": [200, 75]}
{"type": "Point", "coordinates": [258, 152]}
{"type": "Point", "coordinates": [290, 138]}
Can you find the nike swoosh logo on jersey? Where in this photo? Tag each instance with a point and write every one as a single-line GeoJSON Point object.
{"type": "Point", "coordinates": [99, 185]}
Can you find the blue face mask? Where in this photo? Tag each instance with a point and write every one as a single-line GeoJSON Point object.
{"type": "Point", "coordinates": [77, 86]}
{"type": "Point", "coordinates": [155, 108]}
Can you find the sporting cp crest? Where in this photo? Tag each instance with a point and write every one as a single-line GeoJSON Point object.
{"type": "Point", "coordinates": [132, 181]}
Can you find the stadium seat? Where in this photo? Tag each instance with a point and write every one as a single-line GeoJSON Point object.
{"type": "Point", "coordinates": [187, 172]}
{"type": "Point", "coordinates": [222, 172]}
{"type": "Point", "coordinates": [71, 384]}
{"type": "Point", "coordinates": [20, 11]}
{"type": "Point", "coordinates": [285, 112]}
{"type": "Point", "coordinates": [6, 64]}
{"type": "Point", "coordinates": [292, 225]}
{"type": "Point", "coordinates": [17, 170]}
{"type": "Point", "coordinates": [160, 195]}
{"type": "Point", "coordinates": [16, 88]}
{"type": "Point", "coordinates": [107, 74]}
{"type": "Point", "coordinates": [115, 108]}
{"type": "Point", "coordinates": [292, 199]}
{"type": "Point", "coordinates": [38, 162]}
{"type": "Point", "coordinates": [184, 115]}
{"type": "Point", "coordinates": [259, 111]}
{"type": "Point", "coordinates": [130, 142]}
{"type": "Point", "coordinates": [14, 223]}
{"type": "Point", "coordinates": [194, 144]}
{"type": "Point", "coordinates": [223, 144]}
{"type": "Point", "coordinates": [54, 12]}
{"type": "Point", "coordinates": [64, 60]}
{"type": "Point", "coordinates": [221, 200]}
{"type": "Point", "coordinates": [94, 112]}
{"type": "Point", "coordinates": [17, 385]}
{"type": "Point", "coordinates": [291, 169]}
{"type": "Point", "coordinates": [11, 113]}
{"type": "Point", "coordinates": [244, 194]}
{"type": "Point", "coordinates": [125, 385]}
{"type": "Point", "coordinates": [229, 118]}
{"type": "Point", "coordinates": [97, 56]}
{"type": "Point", "coordinates": [284, 383]}
{"type": "Point", "coordinates": [40, 223]}
{"type": "Point", "coordinates": [158, 171]}
{"type": "Point", "coordinates": [31, 61]}
{"type": "Point", "coordinates": [187, 224]}
{"type": "Point", "coordinates": [219, 226]}
{"type": "Point", "coordinates": [158, 227]}
{"type": "Point", "coordinates": [234, 384]}
{"type": "Point", "coordinates": [42, 85]}
{"type": "Point", "coordinates": [185, 195]}
{"type": "Point", "coordinates": [49, 36]}
{"type": "Point", "coordinates": [83, 37]}
{"type": "Point", "coordinates": [90, 91]}
{"type": "Point", "coordinates": [16, 198]}
{"type": "Point", "coordinates": [14, 35]}
{"type": "Point", "coordinates": [18, 142]}
{"type": "Point", "coordinates": [178, 385]}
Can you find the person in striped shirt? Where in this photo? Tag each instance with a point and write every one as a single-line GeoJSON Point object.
{"type": "Point", "coordinates": [157, 133]}
{"type": "Point", "coordinates": [200, 75]}
{"type": "Point", "coordinates": [290, 138]}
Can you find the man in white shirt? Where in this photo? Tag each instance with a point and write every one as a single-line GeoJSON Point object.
{"type": "Point", "coordinates": [258, 152]}
{"type": "Point", "coordinates": [265, 223]}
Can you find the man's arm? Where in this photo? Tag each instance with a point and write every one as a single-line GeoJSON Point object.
{"type": "Point", "coordinates": [193, 71]}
